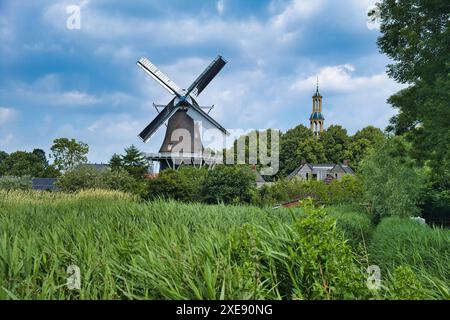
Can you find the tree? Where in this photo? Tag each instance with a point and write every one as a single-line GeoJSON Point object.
{"type": "Point", "coordinates": [115, 163]}
{"type": "Point", "coordinates": [67, 154]}
{"type": "Point", "coordinates": [335, 141]}
{"type": "Point", "coordinates": [22, 163]}
{"type": "Point", "coordinates": [414, 34]}
{"type": "Point", "coordinates": [3, 156]}
{"type": "Point", "coordinates": [392, 185]}
{"type": "Point", "coordinates": [356, 151]}
{"type": "Point", "coordinates": [40, 154]}
{"type": "Point", "coordinates": [292, 150]}
{"type": "Point", "coordinates": [229, 184]}
{"type": "Point", "coordinates": [134, 162]}
{"type": "Point", "coordinates": [374, 135]}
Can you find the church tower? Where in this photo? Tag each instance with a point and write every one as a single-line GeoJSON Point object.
{"type": "Point", "coordinates": [316, 119]}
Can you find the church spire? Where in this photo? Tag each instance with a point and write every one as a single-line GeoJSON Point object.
{"type": "Point", "coordinates": [316, 119]}
{"type": "Point", "coordinates": [317, 90]}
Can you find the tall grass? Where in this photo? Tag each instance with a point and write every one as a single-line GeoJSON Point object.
{"type": "Point", "coordinates": [167, 250]}
{"type": "Point", "coordinates": [424, 250]}
{"type": "Point", "coordinates": [354, 222]}
{"type": "Point", "coordinates": [127, 249]}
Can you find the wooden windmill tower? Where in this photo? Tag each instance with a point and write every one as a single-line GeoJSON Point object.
{"type": "Point", "coordinates": [182, 143]}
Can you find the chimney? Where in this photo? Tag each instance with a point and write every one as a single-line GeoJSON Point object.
{"type": "Point", "coordinates": [303, 162]}
{"type": "Point", "coordinates": [346, 162]}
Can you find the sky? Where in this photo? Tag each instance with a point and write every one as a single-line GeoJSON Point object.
{"type": "Point", "coordinates": [64, 79]}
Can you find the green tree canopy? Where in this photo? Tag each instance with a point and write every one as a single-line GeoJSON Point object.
{"type": "Point", "coordinates": [292, 145]}
{"type": "Point", "coordinates": [415, 35]}
{"type": "Point", "coordinates": [68, 154]}
{"type": "Point", "coordinates": [22, 163]}
{"type": "Point", "coordinates": [115, 163]}
{"type": "Point", "coordinates": [134, 162]}
{"type": "Point", "coordinates": [229, 184]}
{"type": "Point", "coordinates": [392, 184]}
{"type": "Point", "coordinates": [335, 141]}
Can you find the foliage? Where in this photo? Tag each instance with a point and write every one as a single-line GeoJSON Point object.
{"type": "Point", "coordinates": [68, 154]}
{"type": "Point", "coordinates": [3, 156]}
{"type": "Point", "coordinates": [86, 177]}
{"type": "Point", "coordinates": [347, 190]}
{"type": "Point", "coordinates": [298, 144]}
{"type": "Point", "coordinates": [133, 161]}
{"type": "Point", "coordinates": [82, 177]}
{"type": "Point", "coordinates": [21, 163]}
{"type": "Point", "coordinates": [374, 135]}
{"type": "Point", "coordinates": [309, 259]}
{"type": "Point", "coordinates": [15, 183]}
{"type": "Point", "coordinates": [115, 163]}
{"type": "Point", "coordinates": [414, 34]}
{"type": "Point", "coordinates": [391, 184]}
{"type": "Point", "coordinates": [406, 285]}
{"type": "Point", "coordinates": [121, 180]}
{"type": "Point", "coordinates": [183, 184]}
{"type": "Point", "coordinates": [335, 142]}
{"type": "Point", "coordinates": [400, 242]}
{"type": "Point", "coordinates": [229, 184]}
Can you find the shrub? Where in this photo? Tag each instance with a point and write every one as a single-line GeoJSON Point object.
{"type": "Point", "coordinates": [229, 184]}
{"type": "Point", "coordinates": [405, 285]}
{"type": "Point", "coordinates": [15, 183]}
{"type": "Point", "coordinates": [347, 190]}
{"type": "Point", "coordinates": [309, 259]}
{"type": "Point", "coordinates": [121, 180]}
{"type": "Point", "coordinates": [84, 177]}
{"type": "Point", "coordinates": [183, 184]}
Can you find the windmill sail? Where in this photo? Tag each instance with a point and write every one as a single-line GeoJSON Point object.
{"type": "Point", "coordinates": [205, 78]}
{"type": "Point", "coordinates": [153, 126]}
{"type": "Point", "coordinates": [159, 76]}
{"type": "Point", "coordinates": [197, 113]}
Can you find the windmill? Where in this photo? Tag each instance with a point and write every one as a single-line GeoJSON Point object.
{"type": "Point", "coordinates": [182, 143]}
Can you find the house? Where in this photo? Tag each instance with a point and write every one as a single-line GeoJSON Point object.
{"type": "Point", "coordinates": [326, 172]}
{"type": "Point", "coordinates": [44, 184]}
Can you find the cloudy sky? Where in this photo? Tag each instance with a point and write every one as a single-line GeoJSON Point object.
{"type": "Point", "coordinates": [60, 81]}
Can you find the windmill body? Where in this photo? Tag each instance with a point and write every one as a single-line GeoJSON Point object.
{"type": "Point", "coordinates": [182, 142]}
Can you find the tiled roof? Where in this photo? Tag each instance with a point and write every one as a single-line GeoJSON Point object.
{"type": "Point", "coordinates": [347, 169]}
{"type": "Point", "coordinates": [321, 166]}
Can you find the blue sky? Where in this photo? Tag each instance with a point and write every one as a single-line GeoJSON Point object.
{"type": "Point", "coordinates": [84, 83]}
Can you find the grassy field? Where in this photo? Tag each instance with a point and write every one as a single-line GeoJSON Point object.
{"type": "Point", "coordinates": [127, 249]}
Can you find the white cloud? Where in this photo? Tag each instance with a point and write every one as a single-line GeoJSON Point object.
{"type": "Point", "coordinates": [340, 79]}
{"type": "Point", "coordinates": [7, 114]}
{"type": "Point", "coordinates": [220, 6]}
{"type": "Point", "coordinates": [47, 91]}
{"type": "Point", "coordinates": [296, 11]}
